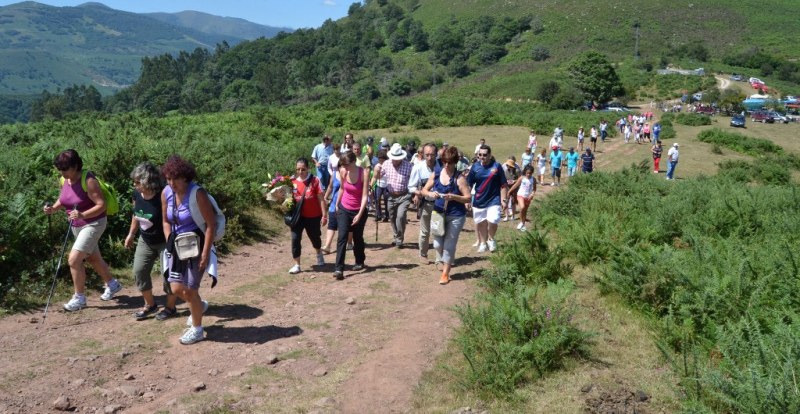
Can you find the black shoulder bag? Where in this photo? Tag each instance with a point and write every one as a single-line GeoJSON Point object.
{"type": "Point", "coordinates": [293, 215]}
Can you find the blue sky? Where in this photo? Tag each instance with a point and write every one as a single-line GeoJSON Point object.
{"type": "Point", "coordinates": [281, 13]}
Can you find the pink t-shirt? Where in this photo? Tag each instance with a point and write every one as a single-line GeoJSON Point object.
{"type": "Point", "coordinates": [352, 193]}
{"type": "Point", "coordinates": [73, 197]}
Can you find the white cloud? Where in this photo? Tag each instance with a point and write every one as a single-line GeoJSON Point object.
{"type": "Point", "coordinates": [331, 3]}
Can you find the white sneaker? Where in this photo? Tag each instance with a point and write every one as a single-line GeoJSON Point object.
{"type": "Point", "coordinates": [192, 335]}
{"type": "Point", "coordinates": [492, 245]}
{"type": "Point", "coordinates": [320, 260]}
{"type": "Point", "coordinates": [294, 269]}
{"type": "Point", "coordinates": [75, 304]}
{"type": "Point", "coordinates": [112, 288]}
{"type": "Point", "coordinates": [523, 228]}
{"type": "Point", "coordinates": [505, 218]}
{"type": "Point", "coordinates": [520, 226]}
{"type": "Point", "coordinates": [482, 248]}
{"type": "Point", "coordinates": [205, 308]}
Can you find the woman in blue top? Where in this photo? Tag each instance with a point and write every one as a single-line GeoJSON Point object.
{"type": "Point", "coordinates": [185, 275]}
{"type": "Point", "coordinates": [451, 193]}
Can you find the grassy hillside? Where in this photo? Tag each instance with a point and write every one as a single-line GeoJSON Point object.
{"type": "Point", "coordinates": [571, 26]}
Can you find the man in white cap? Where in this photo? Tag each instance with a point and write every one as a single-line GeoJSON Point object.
{"type": "Point", "coordinates": [672, 158]}
{"type": "Point", "coordinates": [396, 170]}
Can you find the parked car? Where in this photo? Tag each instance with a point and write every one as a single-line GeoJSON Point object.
{"type": "Point", "coordinates": [706, 110]}
{"type": "Point", "coordinates": [762, 116]}
{"type": "Point", "coordinates": [779, 117]}
{"type": "Point", "coordinates": [737, 78]}
{"type": "Point", "coordinates": [738, 121]}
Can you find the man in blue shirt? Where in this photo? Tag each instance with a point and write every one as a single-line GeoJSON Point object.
{"type": "Point", "coordinates": [587, 161]}
{"type": "Point", "coordinates": [572, 161]}
{"type": "Point", "coordinates": [320, 155]}
{"type": "Point", "coordinates": [556, 157]}
{"type": "Point", "coordinates": [490, 197]}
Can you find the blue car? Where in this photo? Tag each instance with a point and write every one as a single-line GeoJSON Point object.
{"type": "Point", "coordinates": [738, 121]}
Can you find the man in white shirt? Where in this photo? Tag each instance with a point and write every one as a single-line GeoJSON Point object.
{"type": "Point", "coordinates": [672, 158]}
{"type": "Point", "coordinates": [419, 177]}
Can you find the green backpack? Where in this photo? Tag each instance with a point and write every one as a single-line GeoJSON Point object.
{"type": "Point", "coordinates": [109, 194]}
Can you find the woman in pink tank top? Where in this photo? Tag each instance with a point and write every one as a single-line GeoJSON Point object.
{"type": "Point", "coordinates": [86, 210]}
{"type": "Point", "coordinates": [351, 212]}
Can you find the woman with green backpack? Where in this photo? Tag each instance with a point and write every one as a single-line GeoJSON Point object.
{"type": "Point", "coordinates": [82, 198]}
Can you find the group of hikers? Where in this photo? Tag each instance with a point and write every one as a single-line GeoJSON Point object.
{"type": "Point", "coordinates": [174, 219]}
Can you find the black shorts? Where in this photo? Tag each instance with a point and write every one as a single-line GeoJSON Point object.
{"type": "Point", "coordinates": [556, 172]}
{"type": "Point", "coordinates": [593, 139]}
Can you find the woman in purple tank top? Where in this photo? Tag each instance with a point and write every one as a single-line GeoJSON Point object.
{"type": "Point", "coordinates": [185, 275]}
{"type": "Point", "coordinates": [86, 209]}
{"type": "Point", "coordinates": [351, 213]}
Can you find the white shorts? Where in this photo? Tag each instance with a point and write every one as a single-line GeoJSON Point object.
{"type": "Point", "coordinates": [543, 170]}
{"type": "Point", "coordinates": [490, 214]}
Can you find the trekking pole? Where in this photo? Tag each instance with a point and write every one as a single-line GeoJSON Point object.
{"type": "Point", "coordinates": [58, 267]}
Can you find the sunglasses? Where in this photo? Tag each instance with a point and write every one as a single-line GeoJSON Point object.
{"type": "Point", "coordinates": [483, 154]}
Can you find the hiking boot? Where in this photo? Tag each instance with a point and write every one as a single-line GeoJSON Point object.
{"type": "Point", "coordinates": [339, 275]}
{"type": "Point", "coordinates": [492, 245]}
{"type": "Point", "coordinates": [349, 246]}
{"type": "Point", "coordinates": [75, 304]}
{"type": "Point", "coordinates": [482, 248]}
{"type": "Point", "coordinates": [112, 288]}
{"type": "Point", "coordinates": [357, 267]}
{"type": "Point", "coordinates": [294, 269]}
{"type": "Point", "coordinates": [205, 308]}
{"type": "Point", "coordinates": [320, 260]}
{"type": "Point", "coordinates": [192, 335]}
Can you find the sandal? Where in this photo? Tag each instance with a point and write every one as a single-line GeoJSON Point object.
{"type": "Point", "coordinates": [166, 313]}
{"type": "Point", "coordinates": [145, 312]}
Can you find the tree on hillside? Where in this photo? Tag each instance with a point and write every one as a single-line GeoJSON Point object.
{"type": "Point", "coordinates": [594, 76]}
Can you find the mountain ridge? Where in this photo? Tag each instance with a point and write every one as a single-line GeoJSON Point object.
{"type": "Point", "coordinates": [94, 44]}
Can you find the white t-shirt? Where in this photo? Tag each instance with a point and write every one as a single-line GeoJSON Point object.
{"type": "Point", "coordinates": [672, 154]}
{"type": "Point", "coordinates": [526, 187]}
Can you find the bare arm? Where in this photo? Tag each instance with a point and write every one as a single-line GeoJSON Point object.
{"type": "Point", "coordinates": [209, 217]}
{"type": "Point", "coordinates": [164, 221]}
{"type": "Point", "coordinates": [94, 193]}
{"type": "Point", "coordinates": [131, 230]}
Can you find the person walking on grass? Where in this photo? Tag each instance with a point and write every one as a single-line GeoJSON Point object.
{"type": "Point", "coordinates": [556, 158]}
{"type": "Point", "coordinates": [525, 186]}
{"type": "Point", "coordinates": [186, 274]}
{"type": "Point", "coordinates": [351, 212]}
{"type": "Point", "coordinates": [587, 161]}
{"type": "Point", "coordinates": [307, 189]}
{"type": "Point", "coordinates": [527, 157]}
{"type": "Point", "coordinates": [85, 206]}
{"type": "Point", "coordinates": [581, 134]}
{"type": "Point", "coordinates": [491, 193]}
{"type": "Point", "coordinates": [150, 245]}
{"type": "Point", "coordinates": [512, 171]}
{"type": "Point", "coordinates": [572, 161]}
{"type": "Point", "coordinates": [541, 165]}
{"type": "Point", "coordinates": [593, 138]}
{"type": "Point", "coordinates": [672, 161]}
{"type": "Point", "coordinates": [420, 174]}
{"type": "Point", "coordinates": [657, 151]}
{"type": "Point", "coordinates": [451, 193]}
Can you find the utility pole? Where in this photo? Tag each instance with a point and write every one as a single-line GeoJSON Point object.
{"type": "Point", "coordinates": [636, 26]}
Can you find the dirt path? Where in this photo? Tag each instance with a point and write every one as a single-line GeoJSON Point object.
{"type": "Point", "coordinates": [275, 342]}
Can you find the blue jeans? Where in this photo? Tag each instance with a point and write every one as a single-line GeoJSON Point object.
{"type": "Point", "coordinates": [446, 245]}
{"type": "Point", "coordinates": [324, 176]}
{"type": "Point", "coordinates": [671, 169]}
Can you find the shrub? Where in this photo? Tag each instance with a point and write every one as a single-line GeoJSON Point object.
{"type": "Point", "coordinates": [527, 261]}
{"type": "Point", "coordinates": [516, 336]}
{"type": "Point", "coordinates": [693, 119]}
